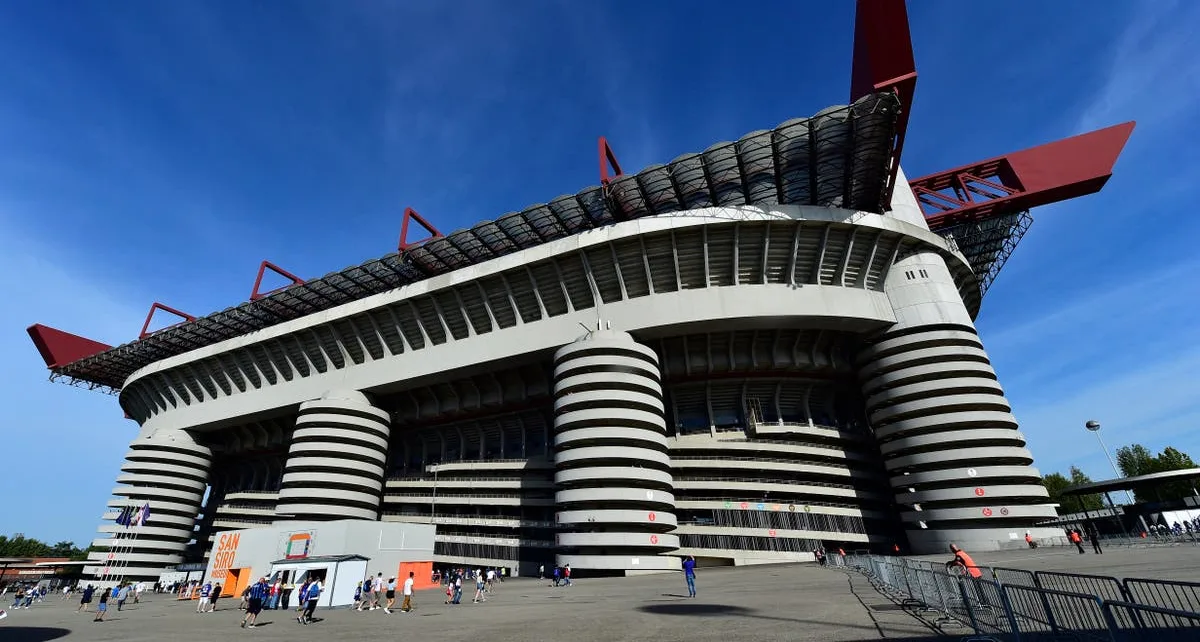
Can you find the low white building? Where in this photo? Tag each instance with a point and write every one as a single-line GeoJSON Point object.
{"type": "Point", "coordinates": [342, 553]}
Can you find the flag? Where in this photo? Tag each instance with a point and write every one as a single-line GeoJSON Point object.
{"type": "Point", "coordinates": [126, 516]}
{"type": "Point", "coordinates": [143, 515]}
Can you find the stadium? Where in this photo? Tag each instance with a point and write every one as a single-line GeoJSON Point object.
{"type": "Point", "coordinates": [744, 354]}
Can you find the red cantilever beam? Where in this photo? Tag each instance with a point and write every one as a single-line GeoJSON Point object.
{"type": "Point", "coordinates": [608, 159]}
{"type": "Point", "coordinates": [59, 348]}
{"type": "Point", "coordinates": [1041, 175]}
{"type": "Point", "coordinates": [262, 270]}
{"type": "Point", "coordinates": [411, 215]}
{"type": "Point", "coordinates": [884, 62]}
{"type": "Point", "coordinates": [158, 306]}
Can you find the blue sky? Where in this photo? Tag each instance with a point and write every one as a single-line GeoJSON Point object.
{"type": "Point", "coordinates": [160, 150]}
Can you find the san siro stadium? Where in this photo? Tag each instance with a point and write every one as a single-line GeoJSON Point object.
{"type": "Point", "coordinates": [743, 355]}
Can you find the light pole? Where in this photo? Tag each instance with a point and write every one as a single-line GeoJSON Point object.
{"type": "Point", "coordinates": [1094, 427]}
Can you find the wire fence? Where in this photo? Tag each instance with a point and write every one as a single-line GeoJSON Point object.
{"type": "Point", "coordinates": [998, 603]}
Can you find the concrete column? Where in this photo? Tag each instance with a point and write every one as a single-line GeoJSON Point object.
{"type": "Point", "coordinates": [612, 468]}
{"type": "Point", "coordinates": [168, 470]}
{"type": "Point", "coordinates": [958, 465]}
{"type": "Point", "coordinates": [336, 461]}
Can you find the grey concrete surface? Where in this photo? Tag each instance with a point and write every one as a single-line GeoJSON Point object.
{"type": "Point", "coordinates": [793, 602]}
{"type": "Point", "coordinates": [1179, 562]}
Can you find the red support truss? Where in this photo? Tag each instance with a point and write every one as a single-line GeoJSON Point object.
{"type": "Point", "coordinates": [1019, 181]}
{"type": "Point", "coordinates": [59, 348]}
{"type": "Point", "coordinates": [884, 62]}
{"type": "Point", "coordinates": [262, 270]}
{"type": "Point", "coordinates": [158, 306]}
{"type": "Point", "coordinates": [411, 215]}
{"type": "Point", "coordinates": [608, 159]}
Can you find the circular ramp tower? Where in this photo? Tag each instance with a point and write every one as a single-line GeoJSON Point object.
{"type": "Point", "coordinates": [958, 465]}
{"type": "Point", "coordinates": [335, 464]}
{"type": "Point", "coordinates": [168, 471]}
{"type": "Point", "coordinates": [613, 485]}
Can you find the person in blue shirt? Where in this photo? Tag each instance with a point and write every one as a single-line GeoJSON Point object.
{"type": "Point", "coordinates": [254, 604]}
{"type": "Point", "coordinates": [314, 592]}
{"type": "Point", "coordinates": [689, 574]}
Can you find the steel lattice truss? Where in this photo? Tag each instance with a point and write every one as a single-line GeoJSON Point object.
{"type": "Point", "coordinates": [988, 243]}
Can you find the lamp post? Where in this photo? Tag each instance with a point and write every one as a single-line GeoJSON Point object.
{"type": "Point", "coordinates": [1093, 426]}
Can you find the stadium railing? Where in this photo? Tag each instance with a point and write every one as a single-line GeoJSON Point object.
{"type": "Point", "coordinates": [1014, 604]}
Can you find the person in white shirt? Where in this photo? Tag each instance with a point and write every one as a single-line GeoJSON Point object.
{"type": "Point", "coordinates": [407, 606]}
{"type": "Point", "coordinates": [205, 592]}
{"type": "Point", "coordinates": [377, 590]}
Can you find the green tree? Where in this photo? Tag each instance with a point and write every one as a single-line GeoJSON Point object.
{"type": "Point", "coordinates": [1056, 483]}
{"type": "Point", "coordinates": [1136, 459]}
{"type": "Point", "coordinates": [20, 546]}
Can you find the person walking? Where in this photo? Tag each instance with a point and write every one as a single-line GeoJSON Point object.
{"type": "Point", "coordinates": [689, 574]}
{"type": "Point", "coordinates": [86, 598]}
{"type": "Point", "coordinates": [314, 593]}
{"type": "Point", "coordinates": [1094, 537]}
{"type": "Point", "coordinates": [212, 599]}
{"type": "Point", "coordinates": [205, 593]}
{"type": "Point", "coordinates": [259, 592]}
{"type": "Point", "coordinates": [391, 595]}
{"type": "Point", "coordinates": [1075, 538]}
{"type": "Point", "coordinates": [407, 605]}
{"type": "Point", "coordinates": [102, 605]}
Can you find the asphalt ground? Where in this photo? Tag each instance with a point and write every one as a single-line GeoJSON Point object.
{"type": "Point", "coordinates": [792, 602]}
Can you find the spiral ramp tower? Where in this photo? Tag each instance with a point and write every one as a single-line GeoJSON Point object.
{"type": "Point", "coordinates": [335, 465]}
{"type": "Point", "coordinates": [612, 468]}
{"type": "Point", "coordinates": [169, 471]}
{"type": "Point", "coordinates": [958, 465]}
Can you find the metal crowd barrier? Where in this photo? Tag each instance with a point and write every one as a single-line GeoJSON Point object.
{"type": "Point", "coordinates": [1019, 605]}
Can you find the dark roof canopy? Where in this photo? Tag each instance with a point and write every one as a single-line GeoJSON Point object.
{"type": "Point", "coordinates": [1133, 483]}
{"type": "Point", "coordinates": [321, 559]}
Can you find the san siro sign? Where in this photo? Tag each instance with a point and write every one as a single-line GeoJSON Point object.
{"type": "Point", "coordinates": [224, 556]}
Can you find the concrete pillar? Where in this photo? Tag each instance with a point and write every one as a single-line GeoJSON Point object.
{"type": "Point", "coordinates": [958, 465]}
{"type": "Point", "coordinates": [612, 469]}
{"type": "Point", "coordinates": [336, 461]}
{"type": "Point", "coordinates": [168, 470]}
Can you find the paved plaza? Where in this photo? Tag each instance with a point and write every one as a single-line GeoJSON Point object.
{"type": "Point", "coordinates": [793, 602]}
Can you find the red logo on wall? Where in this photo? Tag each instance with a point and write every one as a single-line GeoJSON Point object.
{"type": "Point", "coordinates": [979, 491]}
{"type": "Point", "coordinates": [771, 532]}
{"type": "Point", "coordinates": [653, 517]}
{"type": "Point", "coordinates": [654, 539]}
{"type": "Point", "coordinates": [987, 512]}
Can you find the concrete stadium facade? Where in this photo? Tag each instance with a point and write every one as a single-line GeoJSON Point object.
{"type": "Point", "coordinates": [743, 383]}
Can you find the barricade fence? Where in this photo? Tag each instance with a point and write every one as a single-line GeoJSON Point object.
{"type": "Point", "coordinates": [1021, 605]}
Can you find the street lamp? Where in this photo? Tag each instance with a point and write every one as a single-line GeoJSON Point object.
{"type": "Point", "coordinates": [1094, 427]}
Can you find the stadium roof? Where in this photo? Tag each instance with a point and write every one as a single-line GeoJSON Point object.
{"type": "Point", "coordinates": [838, 158]}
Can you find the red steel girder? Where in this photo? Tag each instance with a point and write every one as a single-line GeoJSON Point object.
{"type": "Point", "coordinates": [158, 306]}
{"type": "Point", "coordinates": [410, 215]}
{"type": "Point", "coordinates": [262, 270]}
{"type": "Point", "coordinates": [1058, 171]}
{"type": "Point", "coordinates": [884, 62]}
{"type": "Point", "coordinates": [607, 159]}
{"type": "Point", "coordinates": [60, 348]}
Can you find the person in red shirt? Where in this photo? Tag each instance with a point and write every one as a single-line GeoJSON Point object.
{"type": "Point", "coordinates": [961, 559]}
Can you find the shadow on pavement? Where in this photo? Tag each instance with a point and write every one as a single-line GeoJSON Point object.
{"type": "Point", "coordinates": [693, 608]}
{"type": "Point", "coordinates": [31, 633]}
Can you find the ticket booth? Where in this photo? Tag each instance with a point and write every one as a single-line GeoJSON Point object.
{"type": "Point", "coordinates": [339, 574]}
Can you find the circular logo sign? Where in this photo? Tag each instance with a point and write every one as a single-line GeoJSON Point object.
{"type": "Point", "coordinates": [987, 512]}
{"type": "Point", "coordinates": [652, 517]}
{"type": "Point", "coordinates": [728, 504]}
{"type": "Point", "coordinates": [808, 509]}
{"type": "Point", "coordinates": [791, 508]}
{"type": "Point", "coordinates": [654, 539]}
{"type": "Point", "coordinates": [980, 492]}
{"type": "Point", "coordinates": [1003, 511]}
{"type": "Point", "coordinates": [971, 472]}
{"type": "Point", "coordinates": [744, 505]}
{"type": "Point", "coordinates": [775, 507]}
{"type": "Point", "coordinates": [771, 532]}
{"type": "Point", "coordinates": [649, 494]}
